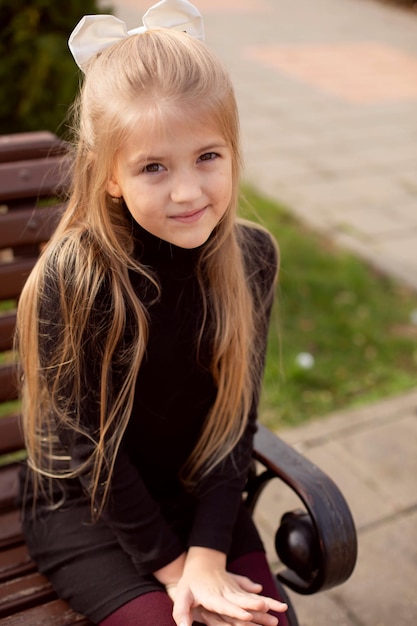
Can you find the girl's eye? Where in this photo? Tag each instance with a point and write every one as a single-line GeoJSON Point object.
{"type": "Point", "coordinates": [151, 168]}
{"type": "Point", "coordinates": [208, 156]}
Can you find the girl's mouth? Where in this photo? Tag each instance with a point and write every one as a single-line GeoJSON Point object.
{"type": "Point", "coordinates": [189, 217]}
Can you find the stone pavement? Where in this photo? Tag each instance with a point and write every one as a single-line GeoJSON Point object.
{"type": "Point", "coordinates": [327, 91]}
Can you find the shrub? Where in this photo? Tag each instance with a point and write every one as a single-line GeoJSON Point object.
{"type": "Point", "coordinates": [38, 76]}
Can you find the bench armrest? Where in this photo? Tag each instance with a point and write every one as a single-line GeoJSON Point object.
{"type": "Point", "coordinates": [318, 545]}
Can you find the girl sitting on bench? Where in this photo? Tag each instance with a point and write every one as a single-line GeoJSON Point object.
{"type": "Point", "coordinates": [142, 332]}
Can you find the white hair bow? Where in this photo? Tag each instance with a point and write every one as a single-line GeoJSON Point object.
{"type": "Point", "coordinates": [95, 33]}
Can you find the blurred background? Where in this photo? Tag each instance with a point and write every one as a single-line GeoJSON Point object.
{"type": "Point", "coordinates": [327, 91]}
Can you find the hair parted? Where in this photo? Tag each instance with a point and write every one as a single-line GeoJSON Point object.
{"type": "Point", "coordinates": [139, 80]}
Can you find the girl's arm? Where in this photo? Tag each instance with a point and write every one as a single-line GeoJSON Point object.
{"type": "Point", "coordinates": [130, 511]}
{"type": "Point", "coordinates": [219, 494]}
{"type": "Point", "coordinates": [206, 589]}
{"type": "Point", "coordinates": [136, 520]}
{"type": "Point", "coordinates": [170, 574]}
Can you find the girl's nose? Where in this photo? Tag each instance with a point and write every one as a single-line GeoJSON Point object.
{"type": "Point", "coordinates": [185, 188]}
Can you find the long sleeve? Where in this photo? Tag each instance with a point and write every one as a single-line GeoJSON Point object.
{"type": "Point", "coordinates": [130, 510]}
{"type": "Point", "coordinates": [136, 520]}
{"type": "Point", "coordinates": [220, 492]}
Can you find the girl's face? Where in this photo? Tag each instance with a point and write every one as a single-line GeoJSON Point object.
{"type": "Point", "coordinates": [176, 183]}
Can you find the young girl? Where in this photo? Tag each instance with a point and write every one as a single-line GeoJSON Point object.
{"type": "Point", "coordinates": [142, 334]}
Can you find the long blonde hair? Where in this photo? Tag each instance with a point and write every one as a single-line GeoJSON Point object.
{"type": "Point", "coordinates": [91, 252]}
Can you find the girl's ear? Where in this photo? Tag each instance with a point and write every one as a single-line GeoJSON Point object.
{"type": "Point", "coordinates": [113, 188]}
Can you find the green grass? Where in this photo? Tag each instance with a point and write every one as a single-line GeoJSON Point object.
{"type": "Point", "coordinates": [355, 323]}
{"type": "Point", "coordinates": [6, 305]}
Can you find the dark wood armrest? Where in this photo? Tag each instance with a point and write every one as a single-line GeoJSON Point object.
{"type": "Point", "coordinates": [318, 545]}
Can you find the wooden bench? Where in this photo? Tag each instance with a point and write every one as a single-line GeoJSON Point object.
{"type": "Point", "coordinates": [316, 543]}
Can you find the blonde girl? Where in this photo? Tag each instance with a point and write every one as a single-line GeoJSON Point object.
{"type": "Point", "coordinates": [142, 332]}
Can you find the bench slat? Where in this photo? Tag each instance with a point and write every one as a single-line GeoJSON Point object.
{"type": "Point", "coordinates": [11, 436]}
{"type": "Point", "coordinates": [24, 592]}
{"type": "Point", "coordinates": [7, 326]}
{"type": "Point", "coordinates": [55, 613]}
{"type": "Point", "coordinates": [31, 145]}
{"type": "Point", "coordinates": [8, 386]}
{"type": "Point", "coordinates": [13, 276]}
{"type": "Point", "coordinates": [32, 179]}
{"type": "Point", "coordinates": [27, 226]}
{"type": "Point", "coordinates": [15, 562]}
{"type": "Point", "coordinates": [9, 486]}
{"type": "Point", "coordinates": [10, 529]}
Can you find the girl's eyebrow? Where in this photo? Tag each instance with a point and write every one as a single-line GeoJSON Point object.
{"type": "Point", "coordinates": [145, 157]}
{"type": "Point", "coordinates": [213, 146]}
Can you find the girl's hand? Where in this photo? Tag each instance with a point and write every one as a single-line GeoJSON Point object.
{"type": "Point", "coordinates": [201, 615]}
{"type": "Point", "coordinates": [207, 592]}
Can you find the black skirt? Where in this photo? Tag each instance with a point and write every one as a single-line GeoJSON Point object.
{"type": "Point", "coordinates": [87, 566]}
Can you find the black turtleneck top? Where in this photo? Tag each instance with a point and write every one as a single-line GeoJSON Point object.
{"type": "Point", "coordinates": [153, 517]}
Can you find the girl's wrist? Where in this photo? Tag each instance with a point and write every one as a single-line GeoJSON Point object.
{"type": "Point", "coordinates": [170, 574]}
{"type": "Point", "coordinates": [208, 556]}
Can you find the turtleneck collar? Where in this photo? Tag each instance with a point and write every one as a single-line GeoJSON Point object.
{"type": "Point", "coordinates": [158, 253]}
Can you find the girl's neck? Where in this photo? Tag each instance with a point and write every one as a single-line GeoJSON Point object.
{"type": "Point", "coordinates": [156, 252]}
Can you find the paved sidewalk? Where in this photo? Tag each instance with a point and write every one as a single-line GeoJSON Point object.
{"type": "Point", "coordinates": [327, 91]}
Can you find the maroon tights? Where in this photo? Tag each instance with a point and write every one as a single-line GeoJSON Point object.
{"type": "Point", "coordinates": [156, 607]}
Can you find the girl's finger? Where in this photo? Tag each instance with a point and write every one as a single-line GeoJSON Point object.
{"type": "Point", "coordinates": [182, 608]}
{"type": "Point", "coordinates": [249, 601]}
{"type": "Point", "coordinates": [211, 619]}
{"type": "Point", "coordinates": [216, 604]}
{"type": "Point", "coordinates": [275, 605]}
{"type": "Point", "coordinates": [263, 619]}
{"type": "Point", "coordinates": [228, 607]}
{"type": "Point", "coordinates": [255, 602]}
{"type": "Point", "coordinates": [248, 585]}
